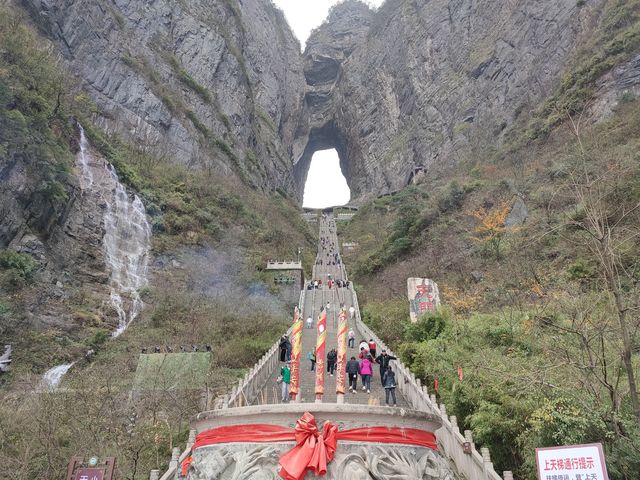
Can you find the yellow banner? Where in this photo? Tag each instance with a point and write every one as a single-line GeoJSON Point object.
{"type": "Point", "coordinates": [296, 348]}
{"type": "Point", "coordinates": [321, 343]}
{"type": "Point", "coordinates": [341, 376]}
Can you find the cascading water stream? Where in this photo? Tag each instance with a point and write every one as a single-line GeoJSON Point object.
{"type": "Point", "coordinates": [125, 243]}
{"type": "Point", "coordinates": [51, 379]}
{"type": "Point", "coordinates": [126, 239]}
{"type": "Point", "coordinates": [86, 179]}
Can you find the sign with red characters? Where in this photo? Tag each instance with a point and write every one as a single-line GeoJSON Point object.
{"type": "Point", "coordinates": [572, 462]}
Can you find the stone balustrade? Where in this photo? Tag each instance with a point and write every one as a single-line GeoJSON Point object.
{"type": "Point", "coordinates": [177, 457]}
{"type": "Point", "coordinates": [278, 265]}
{"type": "Point", "coordinates": [248, 388]}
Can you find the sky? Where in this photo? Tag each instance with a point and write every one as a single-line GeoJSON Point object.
{"type": "Point", "coordinates": [326, 186]}
{"type": "Point", "coordinates": [305, 15]}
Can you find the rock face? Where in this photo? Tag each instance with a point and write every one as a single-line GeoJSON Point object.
{"type": "Point", "coordinates": [620, 85]}
{"type": "Point", "coordinates": [417, 86]}
{"type": "Point", "coordinates": [213, 84]}
{"type": "Point", "coordinates": [64, 237]}
{"type": "Point", "coordinates": [404, 90]}
{"type": "Point", "coordinates": [327, 51]}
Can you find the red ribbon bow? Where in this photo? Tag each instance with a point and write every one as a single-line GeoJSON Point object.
{"type": "Point", "coordinates": [313, 450]}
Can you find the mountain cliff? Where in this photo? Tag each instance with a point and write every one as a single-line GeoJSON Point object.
{"type": "Point", "coordinates": [408, 88]}
{"type": "Point", "coordinates": [221, 88]}
{"type": "Point", "coordinates": [213, 85]}
{"type": "Point", "coordinates": [210, 114]}
{"type": "Point", "coordinates": [418, 86]}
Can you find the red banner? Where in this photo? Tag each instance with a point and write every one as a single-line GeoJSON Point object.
{"type": "Point", "coordinates": [314, 449]}
{"type": "Point", "coordinates": [296, 349]}
{"type": "Point", "coordinates": [321, 343]}
{"type": "Point", "coordinates": [341, 375]}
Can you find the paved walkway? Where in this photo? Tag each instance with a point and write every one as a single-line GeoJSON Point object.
{"type": "Point", "coordinates": [314, 299]}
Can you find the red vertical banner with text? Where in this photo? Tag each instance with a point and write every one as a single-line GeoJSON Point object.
{"type": "Point", "coordinates": [341, 375]}
{"type": "Point", "coordinates": [296, 348]}
{"type": "Point", "coordinates": [321, 343]}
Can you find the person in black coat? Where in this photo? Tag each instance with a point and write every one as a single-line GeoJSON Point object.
{"type": "Point", "coordinates": [383, 360]}
{"type": "Point", "coordinates": [285, 346]}
{"type": "Point", "coordinates": [389, 384]}
{"type": "Point", "coordinates": [353, 367]}
{"type": "Point", "coordinates": [332, 358]}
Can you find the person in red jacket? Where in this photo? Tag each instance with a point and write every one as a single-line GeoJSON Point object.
{"type": "Point", "coordinates": [372, 347]}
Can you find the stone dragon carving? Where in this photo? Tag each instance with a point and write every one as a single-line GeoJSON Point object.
{"type": "Point", "coordinates": [246, 462]}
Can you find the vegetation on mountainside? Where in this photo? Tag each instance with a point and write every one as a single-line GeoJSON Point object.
{"type": "Point", "coordinates": [615, 41]}
{"type": "Point", "coordinates": [546, 330]}
{"type": "Point", "coordinates": [35, 105]}
{"type": "Point", "coordinates": [37, 101]}
{"type": "Point", "coordinates": [218, 232]}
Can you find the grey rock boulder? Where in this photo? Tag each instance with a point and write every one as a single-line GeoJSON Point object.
{"type": "Point", "coordinates": [518, 214]}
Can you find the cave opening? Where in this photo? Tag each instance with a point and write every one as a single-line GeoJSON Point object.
{"type": "Point", "coordinates": [326, 185]}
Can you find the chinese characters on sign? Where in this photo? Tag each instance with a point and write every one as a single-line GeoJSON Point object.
{"type": "Point", "coordinates": [573, 462]}
{"type": "Point", "coordinates": [423, 296]}
{"type": "Point", "coordinates": [90, 474]}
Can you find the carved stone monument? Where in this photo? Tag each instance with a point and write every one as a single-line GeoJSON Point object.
{"type": "Point", "coordinates": [423, 295]}
{"type": "Point", "coordinates": [354, 459]}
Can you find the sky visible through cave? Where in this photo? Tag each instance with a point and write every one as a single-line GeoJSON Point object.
{"type": "Point", "coordinates": [326, 186]}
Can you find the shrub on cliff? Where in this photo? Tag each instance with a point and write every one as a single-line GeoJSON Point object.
{"type": "Point", "coordinates": [16, 269]}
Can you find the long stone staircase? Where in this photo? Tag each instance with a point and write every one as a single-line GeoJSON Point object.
{"type": "Point", "coordinates": [256, 400]}
{"type": "Point", "coordinates": [314, 299]}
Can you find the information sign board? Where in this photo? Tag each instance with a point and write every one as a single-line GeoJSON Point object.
{"type": "Point", "coordinates": [571, 462]}
{"type": "Point", "coordinates": [90, 474]}
{"type": "Point", "coordinates": [94, 469]}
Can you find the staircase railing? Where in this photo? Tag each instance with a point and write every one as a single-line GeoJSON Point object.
{"type": "Point", "coordinates": [459, 448]}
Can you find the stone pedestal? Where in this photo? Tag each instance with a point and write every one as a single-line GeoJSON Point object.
{"type": "Point", "coordinates": [353, 460]}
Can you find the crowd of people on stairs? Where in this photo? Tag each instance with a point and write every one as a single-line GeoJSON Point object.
{"type": "Point", "coordinates": [360, 365]}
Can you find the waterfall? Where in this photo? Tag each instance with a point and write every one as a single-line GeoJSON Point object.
{"type": "Point", "coordinates": [127, 234]}
{"type": "Point", "coordinates": [126, 241]}
{"type": "Point", "coordinates": [86, 179]}
{"type": "Point", "coordinates": [126, 245]}
{"type": "Point", "coordinates": [53, 376]}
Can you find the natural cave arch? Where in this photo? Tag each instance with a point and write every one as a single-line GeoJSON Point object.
{"type": "Point", "coordinates": [326, 186]}
{"type": "Point", "coordinates": [326, 137]}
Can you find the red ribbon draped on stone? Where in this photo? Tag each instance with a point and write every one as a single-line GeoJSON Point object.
{"type": "Point", "coordinates": [314, 449]}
